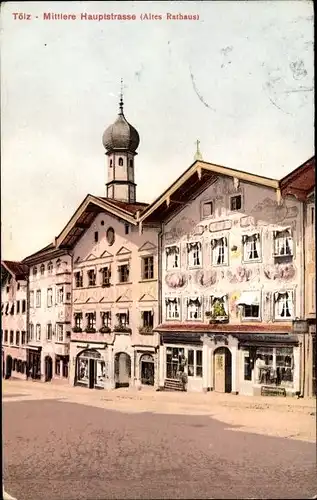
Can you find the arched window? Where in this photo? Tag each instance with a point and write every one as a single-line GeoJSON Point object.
{"type": "Point", "coordinates": [110, 163]}
{"type": "Point", "coordinates": [50, 267]}
{"type": "Point", "coordinates": [34, 271]}
{"type": "Point", "coordinates": [120, 162]}
{"type": "Point", "coordinates": [42, 269]}
{"type": "Point", "coordinates": [58, 264]}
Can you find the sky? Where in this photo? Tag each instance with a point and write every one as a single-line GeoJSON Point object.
{"type": "Point", "coordinates": [239, 79]}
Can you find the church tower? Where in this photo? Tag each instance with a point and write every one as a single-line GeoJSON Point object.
{"type": "Point", "coordinates": [121, 141]}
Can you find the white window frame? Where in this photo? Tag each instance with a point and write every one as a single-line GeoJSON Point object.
{"type": "Point", "coordinates": [38, 298]}
{"type": "Point", "coordinates": [31, 331]}
{"type": "Point", "coordinates": [195, 364]}
{"type": "Point", "coordinates": [172, 313]}
{"type": "Point", "coordinates": [59, 332]}
{"type": "Point", "coordinates": [250, 242]}
{"type": "Point", "coordinates": [191, 309]}
{"type": "Point", "coordinates": [60, 295]}
{"type": "Point", "coordinates": [50, 297]}
{"type": "Point", "coordinates": [284, 299]}
{"type": "Point", "coordinates": [173, 259]}
{"type": "Point", "coordinates": [78, 319]}
{"type": "Point", "coordinates": [32, 298]}
{"type": "Point", "coordinates": [147, 267]}
{"type": "Point", "coordinates": [38, 332]}
{"type": "Point", "coordinates": [282, 241]}
{"type": "Point", "coordinates": [49, 332]}
{"type": "Point", "coordinates": [50, 267]}
{"type": "Point", "coordinates": [219, 248]}
{"type": "Point", "coordinates": [194, 254]}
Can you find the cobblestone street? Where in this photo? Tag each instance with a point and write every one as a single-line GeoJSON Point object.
{"type": "Point", "coordinates": [156, 445]}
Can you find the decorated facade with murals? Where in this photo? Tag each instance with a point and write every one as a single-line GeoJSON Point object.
{"type": "Point", "coordinates": [232, 277]}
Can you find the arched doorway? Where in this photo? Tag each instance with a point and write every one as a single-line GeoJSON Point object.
{"type": "Point", "coordinates": [48, 368]}
{"type": "Point", "coordinates": [8, 367]}
{"type": "Point", "coordinates": [222, 369]}
{"type": "Point", "coordinates": [90, 369]}
{"type": "Point", "coordinates": [147, 369]}
{"type": "Point", "coordinates": [122, 370]}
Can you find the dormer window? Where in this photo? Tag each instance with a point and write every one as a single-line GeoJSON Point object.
{"type": "Point", "coordinates": [284, 305]}
{"type": "Point", "coordinates": [194, 308]}
{"type": "Point", "coordinates": [251, 247]}
{"type": "Point", "coordinates": [219, 248]}
{"type": "Point", "coordinates": [172, 257]}
{"type": "Point", "coordinates": [283, 243]}
{"type": "Point", "coordinates": [172, 305]}
{"type": "Point", "coordinates": [194, 254]}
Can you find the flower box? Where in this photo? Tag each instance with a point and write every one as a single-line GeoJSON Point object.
{"type": "Point", "coordinates": [145, 329]}
{"type": "Point", "coordinates": [105, 329]}
{"type": "Point", "coordinates": [122, 329]}
{"type": "Point", "coordinates": [90, 330]}
{"type": "Point", "coordinates": [77, 329]}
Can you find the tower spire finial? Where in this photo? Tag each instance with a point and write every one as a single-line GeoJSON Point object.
{"type": "Point", "coordinates": [198, 155]}
{"type": "Point", "coordinates": [121, 98]}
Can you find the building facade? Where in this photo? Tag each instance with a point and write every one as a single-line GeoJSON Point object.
{"type": "Point", "coordinates": [49, 314]}
{"type": "Point", "coordinates": [300, 184]}
{"type": "Point", "coordinates": [14, 282]}
{"type": "Point", "coordinates": [232, 271]}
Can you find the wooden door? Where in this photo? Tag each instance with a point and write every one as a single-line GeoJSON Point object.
{"type": "Point", "coordinates": [220, 370]}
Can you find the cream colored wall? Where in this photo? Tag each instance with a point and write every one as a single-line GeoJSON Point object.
{"type": "Point", "coordinates": [58, 312]}
{"type": "Point", "coordinates": [16, 322]}
{"type": "Point", "coordinates": [310, 264]}
{"type": "Point", "coordinates": [260, 211]}
{"type": "Point", "coordinates": [136, 296]}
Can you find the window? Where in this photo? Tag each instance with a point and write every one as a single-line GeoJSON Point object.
{"type": "Point", "coordinates": [250, 302]}
{"type": "Point", "coordinates": [17, 338]}
{"type": "Point", "coordinates": [106, 318]}
{"type": "Point", "coordinates": [38, 298]}
{"type": "Point", "coordinates": [123, 318]}
{"type": "Point", "coordinates": [219, 248]}
{"type": "Point", "coordinates": [251, 311]}
{"type": "Point", "coordinates": [105, 276]}
{"type": "Point", "coordinates": [59, 332]}
{"type": "Point", "coordinates": [195, 363]}
{"type": "Point", "coordinates": [175, 361]}
{"type": "Point", "coordinates": [207, 209]}
{"type": "Point", "coordinates": [18, 286]}
{"type": "Point", "coordinates": [194, 254]}
{"type": "Point", "coordinates": [283, 243]}
{"type": "Point", "coordinates": [34, 271]}
{"type": "Point", "coordinates": [23, 337]}
{"type": "Point", "coordinates": [235, 202]}
{"type": "Point", "coordinates": [42, 269]}
{"type": "Point", "coordinates": [172, 257]}
{"type": "Point", "coordinates": [247, 366]}
{"type": "Point", "coordinates": [110, 163]}
{"type": "Point", "coordinates": [38, 332]}
{"type": "Point", "coordinates": [275, 366]}
{"type": "Point", "coordinates": [5, 336]}
{"type": "Point", "coordinates": [120, 163]}
{"type": "Point", "coordinates": [49, 332]}
{"type": "Point", "coordinates": [91, 277]}
{"type": "Point", "coordinates": [49, 297]}
{"type": "Point", "coordinates": [11, 336]}
{"type": "Point", "coordinates": [147, 319]}
{"type": "Point", "coordinates": [12, 309]}
{"type": "Point", "coordinates": [126, 228]}
{"type": "Point", "coordinates": [251, 247]}
{"type": "Point", "coordinates": [194, 308]}
{"type": "Point", "coordinates": [78, 317]}
{"type": "Point", "coordinates": [78, 280]}
{"type": "Point", "coordinates": [147, 268]}
{"type": "Point", "coordinates": [284, 305]}
{"type": "Point", "coordinates": [23, 306]}
{"type": "Point", "coordinates": [60, 295]}
{"type": "Point", "coordinates": [96, 236]}
{"type": "Point", "coordinates": [58, 265]}
{"type": "Point", "coordinates": [123, 273]}
{"type": "Point", "coordinates": [18, 307]}
{"type": "Point", "coordinates": [31, 332]}
{"type": "Point", "coordinates": [68, 296]}
{"type": "Point", "coordinates": [172, 308]}
{"type": "Point", "coordinates": [219, 306]}
{"type": "Point", "coordinates": [131, 163]}
{"type": "Point", "coordinates": [32, 299]}
{"type": "Point", "coordinates": [50, 268]}
{"type": "Point", "coordinates": [91, 320]}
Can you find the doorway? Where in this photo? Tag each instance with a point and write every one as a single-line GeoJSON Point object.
{"type": "Point", "coordinates": [222, 369]}
{"type": "Point", "coordinates": [147, 369]}
{"type": "Point", "coordinates": [90, 369]}
{"type": "Point", "coordinates": [122, 369]}
{"type": "Point", "coordinates": [8, 367]}
{"type": "Point", "coordinates": [92, 374]}
{"type": "Point", "coordinates": [48, 369]}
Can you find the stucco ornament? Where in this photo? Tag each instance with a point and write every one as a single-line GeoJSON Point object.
{"type": "Point", "coordinates": [176, 280]}
{"type": "Point", "coordinates": [269, 211]}
{"type": "Point", "coordinates": [206, 278]}
{"type": "Point", "coordinates": [284, 272]}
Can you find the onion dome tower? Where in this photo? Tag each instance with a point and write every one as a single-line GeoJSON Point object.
{"type": "Point", "coordinates": [121, 141]}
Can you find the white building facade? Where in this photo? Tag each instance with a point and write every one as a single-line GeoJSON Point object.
{"type": "Point", "coordinates": [232, 272]}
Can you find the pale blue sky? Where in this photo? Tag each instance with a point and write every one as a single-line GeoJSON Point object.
{"type": "Point", "coordinates": [240, 79]}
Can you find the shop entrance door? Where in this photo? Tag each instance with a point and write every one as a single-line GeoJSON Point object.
{"type": "Point", "coordinates": [222, 370]}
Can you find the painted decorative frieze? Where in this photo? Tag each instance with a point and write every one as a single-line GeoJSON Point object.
{"type": "Point", "coordinates": [269, 211]}
{"type": "Point", "coordinates": [176, 280]}
{"type": "Point", "coordinates": [283, 272]}
{"type": "Point", "coordinates": [184, 226]}
{"type": "Point", "coordinates": [206, 278]}
{"type": "Point", "coordinates": [241, 274]}
{"type": "Point", "coordinates": [223, 225]}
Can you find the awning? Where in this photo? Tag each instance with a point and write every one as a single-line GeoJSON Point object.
{"type": "Point", "coordinates": [268, 340]}
{"type": "Point", "coordinates": [249, 299]}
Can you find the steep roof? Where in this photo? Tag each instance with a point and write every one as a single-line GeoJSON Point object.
{"type": "Point", "coordinates": [301, 181]}
{"type": "Point", "coordinates": [16, 269]}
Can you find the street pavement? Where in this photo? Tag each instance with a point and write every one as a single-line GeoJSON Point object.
{"type": "Point", "coordinates": [72, 443]}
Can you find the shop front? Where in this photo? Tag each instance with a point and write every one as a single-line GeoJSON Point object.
{"type": "Point", "coordinates": [33, 361]}
{"type": "Point", "coordinates": [90, 369]}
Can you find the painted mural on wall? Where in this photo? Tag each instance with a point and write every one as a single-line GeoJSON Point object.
{"type": "Point", "coordinates": [176, 280]}
{"type": "Point", "coordinates": [206, 278]}
{"type": "Point", "coordinates": [270, 212]}
{"type": "Point", "coordinates": [283, 272]}
{"type": "Point", "coordinates": [240, 275]}
{"type": "Point", "coordinates": [183, 226]}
